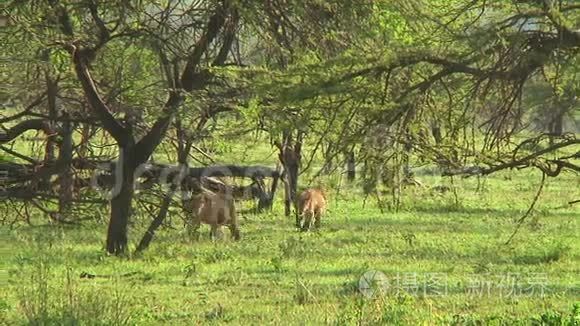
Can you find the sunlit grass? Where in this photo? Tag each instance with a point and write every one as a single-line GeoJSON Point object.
{"type": "Point", "coordinates": [278, 275]}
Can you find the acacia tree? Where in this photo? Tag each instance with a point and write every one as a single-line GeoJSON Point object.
{"type": "Point", "coordinates": [444, 79]}
{"type": "Point", "coordinates": [389, 77]}
{"type": "Point", "coordinates": [133, 153]}
{"type": "Point", "coordinates": [92, 31]}
{"type": "Point", "coordinates": [186, 39]}
{"type": "Point", "coordinates": [485, 74]}
{"type": "Point", "coordinates": [296, 36]}
{"type": "Point", "coordinates": [468, 75]}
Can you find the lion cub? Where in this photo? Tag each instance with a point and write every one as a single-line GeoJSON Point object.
{"type": "Point", "coordinates": [311, 203]}
{"type": "Point", "coordinates": [215, 209]}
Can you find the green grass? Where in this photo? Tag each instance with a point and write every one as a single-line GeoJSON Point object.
{"type": "Point", "coordinates": [277, 275]}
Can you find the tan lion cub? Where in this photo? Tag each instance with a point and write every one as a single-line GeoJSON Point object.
{"type": "Point", "coordinates": [311, 204]}
{"type": "Point", "coordinates": [215, 209]}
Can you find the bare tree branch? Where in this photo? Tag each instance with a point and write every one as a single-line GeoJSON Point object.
{"type": "Point", "coordinates": [26, 110]}
{"type": "Point", "coordinates": [101, 110]}
{"type": "Point", "coordinates": [24, 126]}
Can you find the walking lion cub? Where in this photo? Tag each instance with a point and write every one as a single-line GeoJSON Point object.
{"type": "Point", "coordinates": [215, 209]}
{"type": "Point", "coordinates": [311, 204]}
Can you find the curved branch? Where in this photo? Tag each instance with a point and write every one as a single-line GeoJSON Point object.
{"type": "Point", "coordinates": [24, 126]}
{"type": "Point", "coordinates": [101, 110]}
{"type": "Point", "coordinates": [191, 80]}
{"type": "Point", "coordinates": [104, 34]}
{"type": "Point", "coordinates": [532, 205]}
{"type": "Point", "coordinates": [568, 36]}
{"type": "Point", "coordinates": [26, 110]}
{"type": "Point", "coordinates": [229, 37]}
{"type": "Point", "coordinates": [63, 17]}
{"type": "Point", "coordinates": [525, 161]}
{"type": "Point", "coordinates": [188, 78]}
{"type": "Point", "coordinates": [18, 155]}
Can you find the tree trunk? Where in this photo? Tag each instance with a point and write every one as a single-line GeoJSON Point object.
{"type": "Point", "coordinates": [66, 176]}
{"type": "Point", "coordinates": [121, 204]}
{"type": "Point", "coordinates": [556, 126]}
{"type": "Point", "coordinates": [293, 180]}
{"type": "Point", "coordinates": [436, 132]}
{"type": "Point", "coordinates": [287, 197]}
{"type": "Point", "coordinates": [558, 121]}
{"type": "Point", "coordinates": [290, 159]}
{"type": "Point", "coordinates": [328, 164]}
{"type": "Point", "coordinates": [350, 167]}
{"type": "Point", "coordinates": [408, 175]}
{"type": "Point", "coordinates": [290, 164]}
{"type": "Point", "coordinates": [266, 203]}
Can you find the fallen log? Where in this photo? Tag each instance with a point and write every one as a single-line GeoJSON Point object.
{"type": "Point", "coordinates": [169, 171]}
{"type": "Point", "coordinates": [104, 177]}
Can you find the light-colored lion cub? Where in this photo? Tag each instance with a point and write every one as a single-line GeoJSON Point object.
{"type": "Point", "coordinates": [311, 204]}
{"type": "Point", "coordinates": [215, 209]}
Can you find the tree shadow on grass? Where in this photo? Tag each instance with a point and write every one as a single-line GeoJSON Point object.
{"type": "Point", "coordinates": [475, 212]}
{"type": "Point", "coordinates": [466, 211]}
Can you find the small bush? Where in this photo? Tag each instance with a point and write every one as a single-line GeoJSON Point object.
{"type": "Point", "coordinates": [549, 255]}
{"type": "Point", "coordinates": [291, 247]}
{"type": "Point", "coordinates": [396, 312]}
{"type": "Point", "coordinates": [303, 295]}
{"type": "Point", "coordinates": [218, 313]}
{"type": "Point", "coordinates": [555, 318]}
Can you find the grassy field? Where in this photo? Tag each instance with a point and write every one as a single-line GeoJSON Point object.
{"type": "Point", "coordinates": [443, 255]}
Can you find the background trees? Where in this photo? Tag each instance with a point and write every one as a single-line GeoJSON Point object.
{"type": "Point", "coordinates": [472, 88]}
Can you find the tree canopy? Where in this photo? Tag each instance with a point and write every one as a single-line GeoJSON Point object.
{"type": "Point", "coordinates": [473, 87]}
